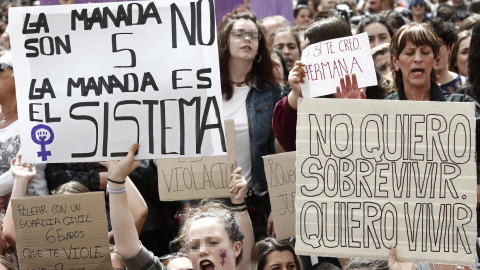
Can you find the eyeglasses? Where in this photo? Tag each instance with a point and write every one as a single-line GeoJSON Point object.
{"type": "Point", "coordinates": [243, 33]}
{"type": "Point", "coordinates": [7, 66]}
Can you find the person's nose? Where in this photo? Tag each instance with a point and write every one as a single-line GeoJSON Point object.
{"type": "Point", "coordinates": [418, 56]}
{"type": "Point", "coordinates": [248, 38]}
{"type": "Point", "coordinates": [285, 51]}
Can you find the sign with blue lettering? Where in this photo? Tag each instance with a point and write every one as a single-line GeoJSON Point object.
{"type": "Point", "coordinates": [91, 79]}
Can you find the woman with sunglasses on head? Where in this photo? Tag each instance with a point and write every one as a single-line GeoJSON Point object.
{"type": "Point", "coordinates": [250, 91]}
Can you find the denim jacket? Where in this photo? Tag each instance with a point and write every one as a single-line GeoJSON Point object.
{"type": "Point", "coordinates": [260, 104]}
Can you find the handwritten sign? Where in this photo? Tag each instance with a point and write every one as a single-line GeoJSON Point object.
{"type": "Point", "coordinates": [266, 8]}
{"type": "Point", "coordinates": [326, 62]}
{"type": "Point", "coordinates": [198, 178]}
{"type": "Point", "coordinates": [117, 73]}
{"type": "Point", "coordinates": [62, 232]}
{"type": "Point", "coordinates": [375, 174]}
{"type": "Point", "coordinates": [280, 174]}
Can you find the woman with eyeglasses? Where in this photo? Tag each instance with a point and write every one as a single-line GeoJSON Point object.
{"type": "Point", "coordinates": [250, 91]}
{"type": "Point", "coordinates": [214, 236]}
{"type": "Point", "coordinates": [449, 81]}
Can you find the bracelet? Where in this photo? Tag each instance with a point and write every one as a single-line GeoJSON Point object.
{"type": "Point", "coordinates": [239, 204]}
{"type": "Point", "coordinates": [116, 182]}
{"type": "Point", "coordinates": [116, 190]}
{"type": "Point", "coordinates": [240, 209]}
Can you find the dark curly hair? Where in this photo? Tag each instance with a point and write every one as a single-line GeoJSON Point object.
{"type": "Point", "coordinates": [263, 69]}
{"type": "Point", "coordinates": [445, 30]}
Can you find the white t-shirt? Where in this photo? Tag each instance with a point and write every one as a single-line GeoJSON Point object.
{"type": "Point", "coordinates": [9, 147]}
{"type": "Point", "coordinates": [236, 109]}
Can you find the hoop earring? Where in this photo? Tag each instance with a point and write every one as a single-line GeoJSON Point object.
{"type": "Point", "coordinates": [259, 59]}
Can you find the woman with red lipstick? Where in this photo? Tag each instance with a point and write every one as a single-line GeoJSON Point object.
{"type": "Point", "coordinates": [250, 91]}
{"type": "Point", "coordinates": [215, 236]}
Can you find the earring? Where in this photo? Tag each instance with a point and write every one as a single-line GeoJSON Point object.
{"type": "Point", "coordinates": [259, 59]}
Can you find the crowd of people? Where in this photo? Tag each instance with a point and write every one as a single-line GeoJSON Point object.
{"type": "Point", "coordinates": [421, 51]}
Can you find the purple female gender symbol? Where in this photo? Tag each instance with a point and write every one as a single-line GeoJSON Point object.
{"type": "Point", "coordinates": [42, 135]}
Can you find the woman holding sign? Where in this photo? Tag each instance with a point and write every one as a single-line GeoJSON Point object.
{"type": "Point", "coordinates": [250, 91]}
{"type": "Point", "coordinates": [213, 234]}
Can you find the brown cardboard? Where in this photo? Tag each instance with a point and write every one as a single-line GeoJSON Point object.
{"type": "Point", "coordinates": [280, 174]}
{"type": "Point", "coordinates": [198, 178]}
{"type": "Point", "coordinates": [62, 232]}
{"type": "Point", "coordinates": [374, 174]}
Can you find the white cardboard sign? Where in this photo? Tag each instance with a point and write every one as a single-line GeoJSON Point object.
{"type": "Point", "coordinates": [328, 61]}
{"type": "Point", "coordinates": [374, 174]}
{"type": "Point", "coordinates": [92, 79]}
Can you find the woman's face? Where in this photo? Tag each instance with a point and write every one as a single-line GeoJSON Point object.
{"type": "Point", "coordinates": [210, 247]}
{"type": "Point", "coordinates": [377, 34]}
{"type": "Point", "coordinates": [280, 260]}
{"type": "Point", "coordinates": [382, 63]}
{"type": "Point", "coordinates": [243, 40]}
{"type": "Point", "coordinates": [416, 64]}
{"type": "Point", "coordinates": [443, 53]}
{"type": "Point", "coordinates": [462, 56]}
{"type": "Point", "coordinates": [418, 9]}
{"type": "Point", "coordinates": [286, 43]}
{"type": "Point", "coordinates": [7, 83]}
{"type": "Point", "coordinates": [303, 17]}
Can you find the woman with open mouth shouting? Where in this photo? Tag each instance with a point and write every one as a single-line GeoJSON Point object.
{"type": "Point", "coordinates": [215, 236]}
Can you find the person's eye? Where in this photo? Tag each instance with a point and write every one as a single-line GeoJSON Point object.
{"type": "Point", "coordinates": [426, 53]}
{"type": "Point", "coordinates": [214, 243]}
{"type": "Point", "coordinates": [292, 47]}
{"type": "Point", "coordinates": [292, 266]}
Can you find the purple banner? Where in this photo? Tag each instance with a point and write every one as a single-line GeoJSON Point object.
{"type": "Point", "coordinates": [222, 7]}
{"type": "Point", "coordinates": [265, 8]}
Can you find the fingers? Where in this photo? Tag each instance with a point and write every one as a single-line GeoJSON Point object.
{"type": "Point", "coordinates": [354, 81]}
{"type": "Point", "coordinates": [363, 95]}
{"type": "Point", "coordinates": [343, 87]}
{"type": "Point", "coordinates": [349, 83]}
{"type": "Point", "coordinates": [131, 152]}
{"type": "Point", "coordinates": [392, 256]}
{"type": "Point", "coordinates": [34, 170]}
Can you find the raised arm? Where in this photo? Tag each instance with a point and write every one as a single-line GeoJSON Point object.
{"type": "Point", "coordinates": [22, 174]}
{"type": "Point", "coordinates": [123, 225]}
{"type": "Point", "coordinates": [295, 77]}
{"type": "Point", "coordinates": [137, 205]}
{"type": "Point", "coordinates": [238, 186]}
{"type": "Point", "coordinates": [349, 88]}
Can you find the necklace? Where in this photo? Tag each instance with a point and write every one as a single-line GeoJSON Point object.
{"type": "Point", "coordinates": [238, 84]}
{"type": "Point", "coordinates": [2, 122]}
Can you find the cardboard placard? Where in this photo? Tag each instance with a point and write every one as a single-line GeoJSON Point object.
{"type": "Point", "coordinates": [118, 73]}
{"type": "Point", "coordinates": [328, 61]}
{"type": "Point", "coordinates": [266, 8]}
{"type": "Point", "coordinates": [198, 178]}
{"type": "Point", "coordinates": [280, 174]}
{"type": "Point", "coordinates": [62, 232]}
{"type": "Point", "coordinates": [378, 173]}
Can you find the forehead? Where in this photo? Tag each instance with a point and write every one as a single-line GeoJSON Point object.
{"type": "Point", "coordinates": [207, 227]}
{"type": "Point", "coordinates": [304, 11]}
{"type": "Point", "coordinates": [284, 256]}
{"type": "Point", "coordinates": [284, 37]}
{"type": "Point", "coordinates": [376, 27]}
{"type": "Point", "coordinates": [465, 42]}
{"type": "Point", "coordinates": [244, 24]}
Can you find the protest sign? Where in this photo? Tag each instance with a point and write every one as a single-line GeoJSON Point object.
{"type": "Point", "coordinates": [62, 232]}
{"type": "Point", "coordinates": [117, 73]}
{"type": "Point", "coordinates": [374, 174]}
{"type": "Point", "coordinates": [198, 178]}
{"type": "Point", "coordinates": [280, 174]}
{"type": "Point", "coordinates": [266, 8]}
{"type": "Point", "coordinates": [328, 61]}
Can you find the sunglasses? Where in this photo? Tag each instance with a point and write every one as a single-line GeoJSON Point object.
{"type": "Point", "coordinates": [243, 33]}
